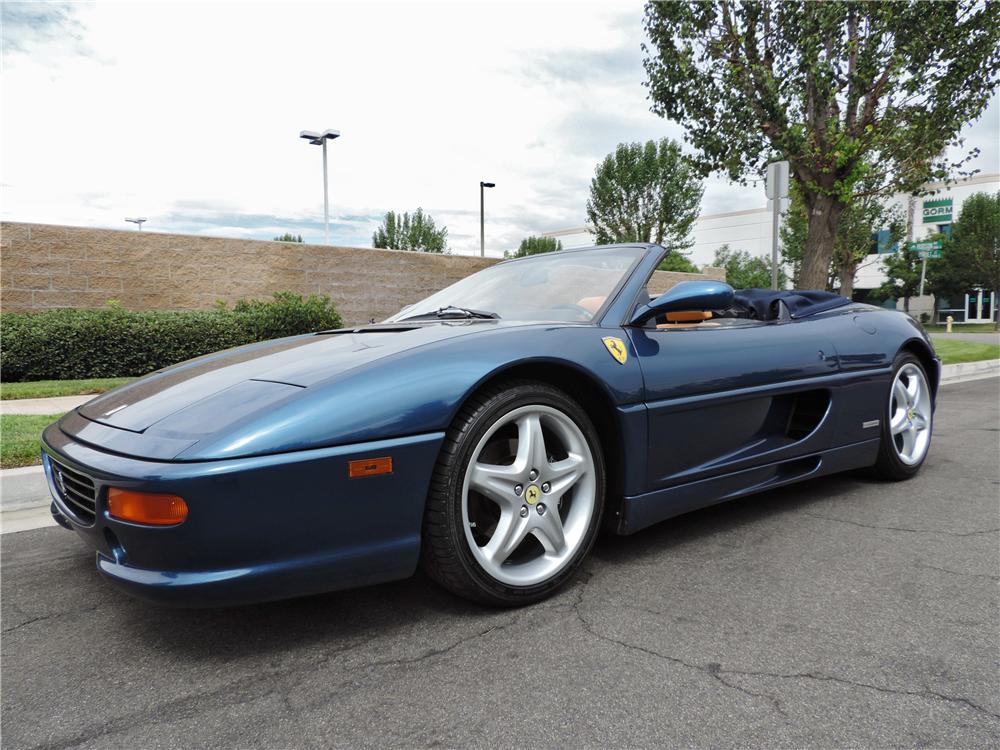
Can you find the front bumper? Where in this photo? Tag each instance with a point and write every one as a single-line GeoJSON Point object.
{"type": "Point", "coordinates": [259, 528]}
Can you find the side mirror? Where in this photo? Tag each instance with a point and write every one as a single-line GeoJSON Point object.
{"type": "Point", "coordinates": [688, 295]}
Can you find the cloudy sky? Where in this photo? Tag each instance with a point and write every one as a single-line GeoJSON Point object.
{"type": "Point", "coordinates": [189, 113]}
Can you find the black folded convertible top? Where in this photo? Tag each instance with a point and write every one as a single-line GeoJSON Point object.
{"type": "Point", "coordinates": [764, 304]}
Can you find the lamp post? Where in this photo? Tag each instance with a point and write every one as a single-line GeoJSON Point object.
{"type": "Point", "coordinates": [320, 139]}
{"type": "Point", "coordinates": [482, 216]}
{"type": "Point", "coordinates": [137, 221]}
{"type": "Point", "coordinates": [776, 188]}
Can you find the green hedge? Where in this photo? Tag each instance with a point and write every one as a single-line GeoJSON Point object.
{"type": "Point", "coordinates": [112, 342]}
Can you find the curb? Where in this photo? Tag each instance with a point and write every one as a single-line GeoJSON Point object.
{"type": "Point", "coordinates": [970, 371]}
{"type": "Point", "coordinates": [25, 487]}
{"type": "Point", "coordinates": [26, 519]}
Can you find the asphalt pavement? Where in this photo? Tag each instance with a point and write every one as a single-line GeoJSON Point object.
{"type": "Point", "coordinates": [841, 612]}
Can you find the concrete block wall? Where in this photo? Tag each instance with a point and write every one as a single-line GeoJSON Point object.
{"type": "Point", "coordinates": [44, 266]}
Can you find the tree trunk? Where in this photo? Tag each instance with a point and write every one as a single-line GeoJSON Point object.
{"type": "Point", "coordinates": [824, 216]}
{"type": "Point", "coordinates": [847, 279]}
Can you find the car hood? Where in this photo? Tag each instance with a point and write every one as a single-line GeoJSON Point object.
{"type": "Point", "coordinates": [233, 384]}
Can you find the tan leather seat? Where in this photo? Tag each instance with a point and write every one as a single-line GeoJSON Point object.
{"type": "Point", "coordinates": [687, 319]}
{"type": "Point", "coordinates": [706, 324]}
{"type": "Point", "coordinates": [591, 304]}
{"type": "Point", "coordinates": [688, 316]}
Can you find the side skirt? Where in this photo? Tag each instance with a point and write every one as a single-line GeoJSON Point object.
{"type": "Point", "coordinates": [644, 510]}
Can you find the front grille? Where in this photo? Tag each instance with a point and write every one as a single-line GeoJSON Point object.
{"type": "Point", "coordinates": [76, 490]}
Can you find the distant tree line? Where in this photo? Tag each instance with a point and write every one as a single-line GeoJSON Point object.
{"type": "Point", "coordinates": [534, 246]}
{"type": "Point", "coordinates": [407, 231]}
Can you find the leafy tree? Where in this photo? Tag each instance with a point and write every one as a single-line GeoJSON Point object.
{"type": "Point", "coordinates": [971, 257]}
{"type": "Point", "coordinates": [843, 90]}
{"type": "Point", "coordinates": [288, 237]}
{"type": "Point", "coordinates": [676, 261]}
{"type": "Point", "coordinates": [902, 271]}
{"type": "Point", "coordinates": [746, 271]}
{"type": "Point", "coordinates": [406, 232]}
{"type": "Point", "coordinates": [645, 193]}
{"type": "Point", "coordinates": [948, 276]}
{"type": "Point", "coordinates": [534, 246]}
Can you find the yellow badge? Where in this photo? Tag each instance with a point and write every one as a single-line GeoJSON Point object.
{"type": "Point", "coordinates": [532, 494]}
{"type": "Point", "coordinates": [617, 348]}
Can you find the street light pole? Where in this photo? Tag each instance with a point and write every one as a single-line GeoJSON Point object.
{"type": "Point", "coordinates": [776, 188]}
{"type": "Point", "coordinates": [482, 216]}
{"type": "Point", "coordinates": [320, 139]}
{"type": "Point", "coordinates": [326, 199]}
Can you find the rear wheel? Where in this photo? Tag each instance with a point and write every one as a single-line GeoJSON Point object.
{"type": "Point", "coordinates": [516, 497]}
{"type": "Point", "coordinates": [907, 421]}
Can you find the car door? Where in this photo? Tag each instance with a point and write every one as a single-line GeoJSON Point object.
{"type": "Point", "coordinates": [730, 396]}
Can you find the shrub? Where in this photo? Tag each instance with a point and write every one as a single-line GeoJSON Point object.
{"type": "Point", "coordinates": [112, 342]}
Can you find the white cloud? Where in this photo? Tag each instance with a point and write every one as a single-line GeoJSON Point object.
{"type": "Point", "coordinates": [189, 114]}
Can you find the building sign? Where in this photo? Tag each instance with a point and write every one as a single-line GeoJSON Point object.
{"type": "Point", "coordinates": [926, 249]}
{"type": "Point", "coordinates": [938, 211]}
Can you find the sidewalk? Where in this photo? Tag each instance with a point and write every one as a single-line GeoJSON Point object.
{"type": "Point", "coordinates": [54, 405]}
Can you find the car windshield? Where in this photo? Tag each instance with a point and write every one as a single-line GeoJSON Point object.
{"type": "Point", "coordinates": [563, 286]}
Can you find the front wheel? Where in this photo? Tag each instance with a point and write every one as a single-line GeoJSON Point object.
{"type": "Point", "coordinates": [907, 421]}
{"type": "Point", "coordinates": [517, 495]}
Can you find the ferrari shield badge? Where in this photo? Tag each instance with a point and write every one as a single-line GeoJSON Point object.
{"type": "Point", "coordinates": [616, 347]}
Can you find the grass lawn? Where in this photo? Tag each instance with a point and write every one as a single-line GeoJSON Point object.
{"type": "Point", "coordinates": [952, 352]}
{"type": "Point", "coordinates": [962, 328]}
{"type": "Point", "coordinates": [19, 436]}
{"type": "Point", "coordinates": [47, 388]}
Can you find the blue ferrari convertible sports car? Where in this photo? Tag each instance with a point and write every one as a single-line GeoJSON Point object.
{"type": "Point", "coordinates": [487, 432]}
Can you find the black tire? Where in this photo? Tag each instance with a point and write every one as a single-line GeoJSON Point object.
{"type": "Point", "coordinates": [445, 553]}
{"type": "Point", "coordinates": [888, 465]}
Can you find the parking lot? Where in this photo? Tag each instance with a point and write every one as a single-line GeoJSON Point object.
{"type": "Point", "coordinates": [841, 612]}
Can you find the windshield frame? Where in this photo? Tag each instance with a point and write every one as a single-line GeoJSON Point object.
{"type": "Point", "coordinates": [595, 320]}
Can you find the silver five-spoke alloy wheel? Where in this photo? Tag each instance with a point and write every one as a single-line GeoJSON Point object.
{"type": "Point", "coordinates": [910, 414]}
{"type": "Point", "coordinates": [529, 495]}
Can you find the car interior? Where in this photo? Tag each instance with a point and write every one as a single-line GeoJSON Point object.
{"type": "Point", "coordinates": [738, 315]}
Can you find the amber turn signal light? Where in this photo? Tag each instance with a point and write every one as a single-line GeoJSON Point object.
{"type": "Point", "coordinates": [150, 508]}
{"type": "Point", "coordinates": [369, 467]}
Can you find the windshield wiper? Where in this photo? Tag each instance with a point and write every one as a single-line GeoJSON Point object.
{"type": "Point", "coordinates": [453, 311]}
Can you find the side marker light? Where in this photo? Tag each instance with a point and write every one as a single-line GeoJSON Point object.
{"type": "Point", "coordinates": [369, 467]}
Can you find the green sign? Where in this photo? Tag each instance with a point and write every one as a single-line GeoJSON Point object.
{"type": "Point", "coordinates": [926, 249]}
{"type": "Point", "coordinates": [937, 211]}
